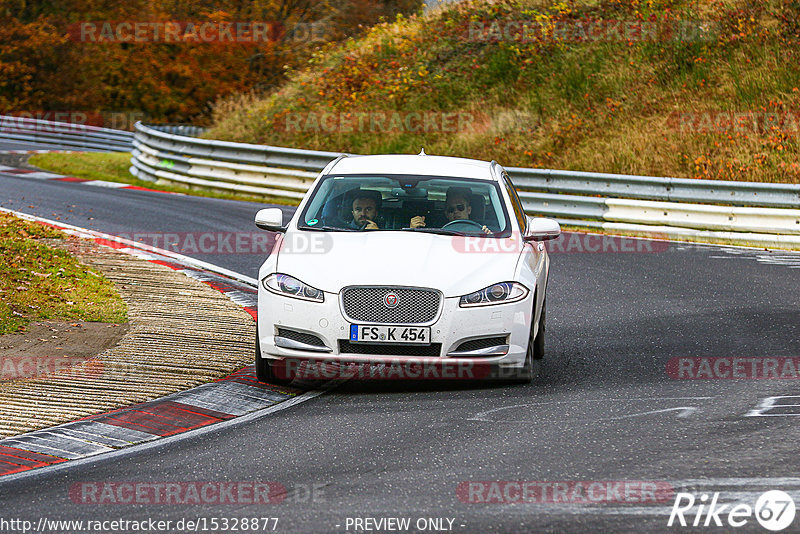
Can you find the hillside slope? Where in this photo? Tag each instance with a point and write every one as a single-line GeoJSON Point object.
{"type": "Point", "coordinates": [658, 87]}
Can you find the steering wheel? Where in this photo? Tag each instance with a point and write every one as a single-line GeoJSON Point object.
{"type": "Point", "coordinates": [466, 225]}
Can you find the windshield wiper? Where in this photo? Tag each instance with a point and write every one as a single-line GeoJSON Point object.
{"type": "Point", "coordinates": [330, 228]}
{"type": "Point", "coordinates": [440, 231]}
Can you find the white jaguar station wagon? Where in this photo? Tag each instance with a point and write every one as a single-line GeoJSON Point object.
{"type": "Point", "coordinates": [425, 264]}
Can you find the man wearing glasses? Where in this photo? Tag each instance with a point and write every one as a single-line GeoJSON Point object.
{"type": "Point", "coordinates": [458, 207]}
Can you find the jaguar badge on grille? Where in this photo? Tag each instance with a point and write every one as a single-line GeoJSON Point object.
{"type": "Point", "coordinates": [390, 300]}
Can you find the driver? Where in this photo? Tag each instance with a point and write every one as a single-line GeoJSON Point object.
{"type": "Point", "coordinates": [365, 211]}
{"type": "Point", "coordinates": [458, 206]}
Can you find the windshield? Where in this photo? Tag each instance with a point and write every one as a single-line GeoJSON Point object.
{"type": "Point", "coordinates": [407, 203]}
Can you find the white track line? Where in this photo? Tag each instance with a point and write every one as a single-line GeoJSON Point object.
{"type": "Point", "coordinates": [92, 234]}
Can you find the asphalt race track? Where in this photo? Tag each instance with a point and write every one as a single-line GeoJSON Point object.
{"type": "Point", "coordinates": [636, 402]}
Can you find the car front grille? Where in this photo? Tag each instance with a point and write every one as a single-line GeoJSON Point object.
{"type": "Point", "coordinates": [414, 305]}
{"type": "Point", "coordinates": [345, 347]}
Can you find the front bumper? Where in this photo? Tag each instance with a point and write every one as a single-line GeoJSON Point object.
{"type": "Point", "coordinates": [452, 327]}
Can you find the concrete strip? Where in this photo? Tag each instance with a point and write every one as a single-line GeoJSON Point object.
{"type": "Point", "coordinates": [109, 435]}
{"type": "Point", "coordinates": [229, 397]}
{"type": "Point", "coordinates": [38, 444]}
{"type": "Point", "coordinates": [60, 441]}
{"type": "Point", "coordinates": [42, 175]}
{"type": "Point", "coordinates": [104, 183]}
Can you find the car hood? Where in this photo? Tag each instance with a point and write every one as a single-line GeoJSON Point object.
{"type": "Point", "coordinates": [455, 265]}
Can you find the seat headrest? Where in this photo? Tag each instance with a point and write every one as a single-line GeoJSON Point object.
{"type": "Point", "coordinates": [478, 207]}
{"type": "Point", "coordinates": [362, 193]}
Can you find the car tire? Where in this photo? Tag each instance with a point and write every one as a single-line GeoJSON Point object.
{"type": "Point", "coordinates": [264, 369]}
{"type": "Point", "coordinates": [538, 343]}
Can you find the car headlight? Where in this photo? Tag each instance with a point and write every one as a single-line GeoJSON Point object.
{"type": "Point", "coordinates": [289, 286]}
{"type": "Point", "coordinates": [501, 293]}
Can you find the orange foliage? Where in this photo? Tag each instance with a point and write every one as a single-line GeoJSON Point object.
{"type": "Point", "coordinates": [46, 63]}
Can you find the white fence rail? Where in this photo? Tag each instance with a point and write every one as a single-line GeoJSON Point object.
{"type": "Point", "coordinates": [72, 136]}
{"type": "Point", "coordinates": [759, 213]}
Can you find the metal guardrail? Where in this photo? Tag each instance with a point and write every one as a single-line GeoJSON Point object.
{"type": "Point", "coordinates": [242, 153]}
{"type": "Point", "coordinates": [763, 213]}
{"type": "Point", "coordinates": [653, 188]}
{"type": "Point", "coordinates": [234, 167]}
{"type": "Point", "coordinates": [643, 203]}
{"type": "Point", "coordinates": [179, 129]}
{"type": "Point", "coordinates": [70, 135]}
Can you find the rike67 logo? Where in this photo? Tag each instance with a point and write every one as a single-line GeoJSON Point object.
{"type": "Point", "coordinates": [774, 510]}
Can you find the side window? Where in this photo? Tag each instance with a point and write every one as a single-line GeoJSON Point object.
{"type": "Point", "coordinates": [519, 213]}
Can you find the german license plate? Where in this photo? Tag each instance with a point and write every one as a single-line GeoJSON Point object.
{"type": "Point", "coordinates": [420, 335]}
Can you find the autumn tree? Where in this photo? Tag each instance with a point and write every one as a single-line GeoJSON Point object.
{"type": "Point", "coordinates": [46, 63]}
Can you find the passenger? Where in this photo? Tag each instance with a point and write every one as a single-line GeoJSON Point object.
{"type": "Point", "coordinates": [457, 207]}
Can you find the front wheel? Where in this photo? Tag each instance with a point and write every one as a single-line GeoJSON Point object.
{"type": "Point", "coordinates": [265, 370]}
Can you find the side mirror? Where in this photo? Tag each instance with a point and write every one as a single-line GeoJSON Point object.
{"type": "Point", "coordinates": [542, 229]}
{"type": "Point", "coordinates": [270, 219]}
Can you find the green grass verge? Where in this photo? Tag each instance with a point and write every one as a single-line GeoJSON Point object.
{"type": "Point", "coordinates": [113, 167]}
{"type": "Point", "coordinates": [40, 282]}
